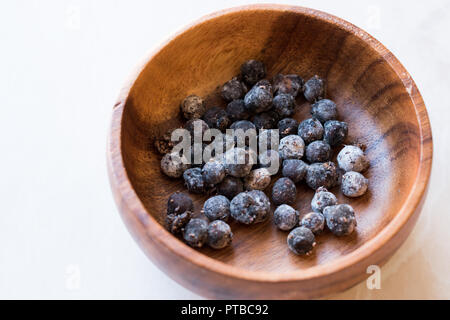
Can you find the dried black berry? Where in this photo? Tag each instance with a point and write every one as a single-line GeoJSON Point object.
{"type": "Point", "coordinates": [252, 71]}
{"type": "Point", "coordinates": [322, 199]}
{"type": "Point", "coordinates": [238, 162]}
{"type": "Point", "coordinates": [198, 133]}
{"type": "Point", "coordinates": [193, 107]}
{"type": "Point", "coordinates": [175, 223]}
{"type": "Point", "coordinates": [322, 175]}
{"type": "Point", "coordinates": [318, 151]}
{"type": "Point", "coordinates": [290, 84]}
{"type": "Point", "coordinates": [265, 120]}
{"type": "Point", "coordinates": [310, 130]}
{"type": "Point", "coordinates": [284, 105]}
{"type": "Point", "coordinates": [340, 219]}
{"type": "Point", "coordinates": [354, 184]}
{"type": "Point", "coordinates": [352, 158]}
{"type": "Point", "coordinates": [233, 90]}
{"type": "Point", "coordinates": [173, 165]}
{"type": "Point", "coordinates": [219, 235]}
{"type": "Point", "coordinates": [250, 207]}
{"type": "Point", "coordinates": [165, 144]}
{"type": "Point", "coordinates": [266, 85]}
{"type": "Point", "coordinates": [193, 180]}
{"type": "Point", "coordinates": [286, 217]}
{"type": "Point", "coordinates": [301, 241]}
{"type": "Point", "coordinates": [196, 233]}
{"type": "Point", "coordinates": [287, 127]}
{"type": "Point", "coordinates": [217, 118]}
{"type": "Point", "coordinates": [294, 169]}
{"type": "Point", "coordinates": [217, 208]}
{"type": "Point", "coordinates": [324, 110]}
{"type": "Point", "coordinates": [236, 111]}
{"type": "Point", "coordinates": [284, 192]}
{"type": "Point", "coordinates": [270, 159]}
{"type": "Point", "coordinates": [178, 203]}
{"type": "Point", "coordinates": [335, 132]}
{"type": "Point", "coordinates": [230, 187]}
{"type": "Point", "coordinates": [269, 139]}
{"type": "Point", "coordinates": [314, 89]}
{"type": "Point", "coordinates": [314, 221]}
{"type": "Point", "coordinates": [258, 99]}
{"type": "Point", "coordinates": [258, 179]}
{"type": "Point", "coordinates": [291, 147]}
{"type": "Point", "coordinates": [213, 172]}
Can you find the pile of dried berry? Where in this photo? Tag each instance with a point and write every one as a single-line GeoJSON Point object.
{"type": "Point", "coordinates": [305, 153]}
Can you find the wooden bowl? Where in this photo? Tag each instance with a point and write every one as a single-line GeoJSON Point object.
{"type": "Point", "coordinates": [374, 94]}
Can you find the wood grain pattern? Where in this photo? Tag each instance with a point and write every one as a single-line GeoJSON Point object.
{"type": "Point", "coordinates": [374, 94]}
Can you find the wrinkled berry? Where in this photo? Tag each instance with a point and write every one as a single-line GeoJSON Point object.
{"type": "Point", "coordinates": [217, 208]}
{"type": "Point", "coordinates": [178, 203]}
{"type": "Point", "coordinates": [314, 89]}
{"type": "Point", "coordinates": [233, 90]}
{"type": "Point", "coordinates": [284, 192]}
{"type": "Point", "coordinates": [265, 120]}
{"type": "Point", "coordinates": [219, 234]}
{"type": "Point", "coordinates": [258, 99]}
{"type": "Point", "coordinates": [324, 110]}
{"type": "Point", "coordinates": [230, 187]}
{"type": "Point", "coordinates": [196, 128]}
{"type": "Point", "coordinates": [287, 127]}
{"type": "Point", "coordinates": [193, 107]}
{"type": "Point", "coordinates": [250, 207]}
{"type": "Point", "coordinates": [196, 233]}
{"type": "Point", "coordinates": [172, 165]}
{"type": "Point", "coordinates": [354, 184]}
{"type": "Point", "coordinates": [258, 179]}
{"type": "Point", "coordinates": [213, 172]}
{"type": "Point", "coordinates": [352, 158]}
{"type": "Point", "coordinates": [217, 118]}
{"type": "Point", "coordinates": [236, 111]}
{"type": "Point", "coordinates": [243, 125]}
{"type": "Point", "coordinates": [335, 132]}
{"type": "Point", "coordinates": [289, 84]}
{"type": "Point", "coordinates": [322, 199]}
{"type": "Point", "coordinates": [175, 223]}
{"type": "Point", "coordinates": [291, 147]}
{"type": "Point", "coordinates": [285, 217]}
{"type": "Point", "coordinates": [322, 175]}
{"type": "Point", "coordinates": [301, 241]}
{"type": "Point", "coordinates": [270, 159]}
{"type": "Point", "coordinates": [318, 151]}
{"type": "Point", "coordinates": [165, 144]}
{"type": "Point", "coordinates": [310, 130]}
{"type": "Point", "coordinates": [340, 219]}
{"type": "Point", "coordinates": [252, 71]}
{"type": "Point", "coordinates": [294, 169]}
{"type": "Point", "coordinates": [269, 139]}
{"type": "Point", "coordinates": [314, 221]}
{"type": "Point", "coordinates": [266, 85]}
{"type": "Point", "coordinates": [284, 105]}
{"type": "Point", "coordinates": [238, 162]}
{"type": "Point", "coordinates": [193, 180]}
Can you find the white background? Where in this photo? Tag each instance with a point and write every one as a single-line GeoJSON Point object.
{"type": "Point", "coordinates": [62, 64]}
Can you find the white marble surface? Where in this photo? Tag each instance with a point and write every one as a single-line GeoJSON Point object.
{"type": "Point", "coordinates": [62, 64]}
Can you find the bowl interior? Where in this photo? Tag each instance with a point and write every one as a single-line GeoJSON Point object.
{"type": "Point", "coordinates": [369, 94]}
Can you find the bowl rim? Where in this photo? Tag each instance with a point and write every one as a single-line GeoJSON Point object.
{"type": "Point", "coordinates": [127, 196]}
